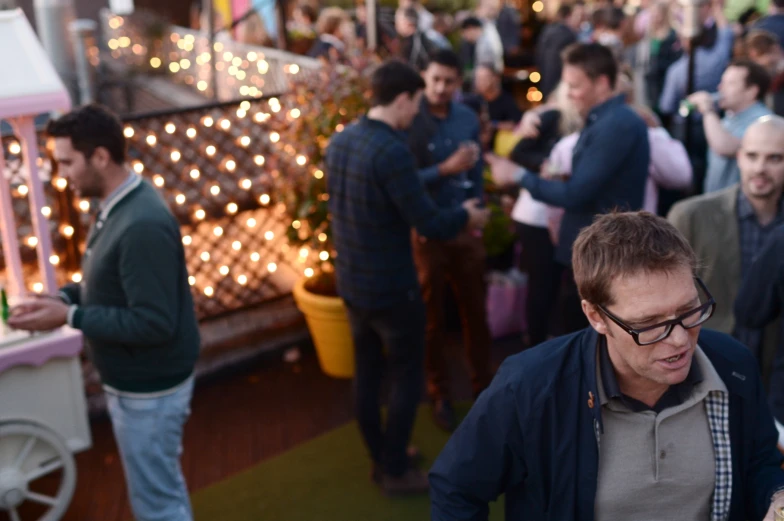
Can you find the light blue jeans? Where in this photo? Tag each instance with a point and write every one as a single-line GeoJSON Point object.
{"type": "Point", "coordinates": [149, 436]}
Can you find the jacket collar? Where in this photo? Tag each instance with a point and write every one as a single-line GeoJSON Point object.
{"type": "Point", "coordinates": [599, 110]}
{"type": "Point", "coordinates": [424, 108]}
{"type": "Point", "coordinates": [589, 343]}
{"type": "Point", "coordinates": [736, 381]}
{"type": "Point", "coordinates": [129, 185]}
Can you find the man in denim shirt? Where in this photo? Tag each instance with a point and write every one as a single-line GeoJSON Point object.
{"type": "Point", "coordinates": [609, 163]}
{"type": "Point", "coordinates": [445, 141]}
{"type": "Point", "coordinates": [742, 89]}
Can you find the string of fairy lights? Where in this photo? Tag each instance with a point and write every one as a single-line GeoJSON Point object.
{"type": "Point", "coordinates": [181, 184]}
{"type": "Point", "coordinates": [184, 54]}
{"type": "Point", "coordinates": [208, 192]}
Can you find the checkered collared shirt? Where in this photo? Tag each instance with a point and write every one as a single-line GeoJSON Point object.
{"type": "Point", "coordinates": [717, 406]}
{"type": "Point", "coordinates": [752, 237]}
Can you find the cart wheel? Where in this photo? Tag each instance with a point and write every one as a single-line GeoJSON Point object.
{"type": "Point", "coordinates": [22, 469]}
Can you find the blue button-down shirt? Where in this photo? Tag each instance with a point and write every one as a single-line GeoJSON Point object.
{"type": "Point", "coordinates": [709, 65]}
{"type": "Point", "coordinates": [753, 237]}
{"type": "Point", "coordinates": [723, 171]}
{"type": "Point", "coordinates": [375, 198]}
{"type": "Point", "coordinates": [460, 125]}
{"type": "Point", "coordinates": [609, 170]}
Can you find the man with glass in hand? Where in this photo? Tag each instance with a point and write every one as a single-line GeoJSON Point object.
{"type": "Point", "coordinates": [444, 138]}
{"type": "Point", "coordinates": [644, 415]}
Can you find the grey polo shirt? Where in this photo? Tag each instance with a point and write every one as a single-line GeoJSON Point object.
{"type": "Point", "coordinates": [656, 463]}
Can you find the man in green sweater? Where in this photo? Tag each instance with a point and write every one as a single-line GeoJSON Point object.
{"type": "Point", "coordinates": [134, 307]}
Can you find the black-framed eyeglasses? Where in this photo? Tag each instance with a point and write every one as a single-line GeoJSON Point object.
{"type": "Point", "coordinates": [648, 335]}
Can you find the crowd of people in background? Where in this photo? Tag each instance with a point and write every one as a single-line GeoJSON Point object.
{"type": "Point", "coordinates": [644, 210]}
{"type": "Point", "coordinates": [620, 126]}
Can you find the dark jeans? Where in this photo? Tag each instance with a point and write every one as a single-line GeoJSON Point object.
{"type": "Point", "coordinates": [461, 263]}
{"type": "Point", "coordinates": [392, 342]}
{"type": "Point", "coordinates": [544, 280]}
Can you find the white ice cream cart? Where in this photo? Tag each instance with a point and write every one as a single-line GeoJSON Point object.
{"type": "Point", "coordinates": [43, 414]}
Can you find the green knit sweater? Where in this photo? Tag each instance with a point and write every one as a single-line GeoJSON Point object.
{"type": "Point", "coordinates": [135, 307]}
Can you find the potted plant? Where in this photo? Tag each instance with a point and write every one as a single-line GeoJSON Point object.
{"type": "Point", "coordinates": [327, 101]}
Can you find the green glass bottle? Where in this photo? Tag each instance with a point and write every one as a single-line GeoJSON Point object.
{"type": "Point", "coordinates": [5, 310]}
{"type": "Point", "coordinates": [686, 108]}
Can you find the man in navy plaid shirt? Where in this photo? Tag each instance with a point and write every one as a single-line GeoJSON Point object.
{"type": "Point", "coordinates": [375, 198]}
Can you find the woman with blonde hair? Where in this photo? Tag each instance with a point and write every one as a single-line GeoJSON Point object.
{"type": "Point", "coordinates": [659, 49]}
{"type": "Point", "coordinates": [542, 130]}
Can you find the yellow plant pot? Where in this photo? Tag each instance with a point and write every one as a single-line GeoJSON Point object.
{"type": "Point", "coordinates": [328, 324]}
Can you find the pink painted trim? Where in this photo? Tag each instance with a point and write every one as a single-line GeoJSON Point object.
{"type": "Point", "coordinates": [238, 8]}
{"type": "Point", "coordinates": [34, 105]}
{"type": "Point", "coordinates": [25, 129]}
{"type": "Point", "coordinates": [13, 262]}
{"type": "Point", "coordinates": [64, 343]}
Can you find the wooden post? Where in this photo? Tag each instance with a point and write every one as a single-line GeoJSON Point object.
{"type": "Point", "coordinates": [371, 24]}
{"type": "Point", "coordinates": [209, 8]}
{"type": "Point", "coordinates": [283, 36]}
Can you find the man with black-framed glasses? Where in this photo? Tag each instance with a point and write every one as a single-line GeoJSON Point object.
{"type": "Point", "coordinates": [644, 415]}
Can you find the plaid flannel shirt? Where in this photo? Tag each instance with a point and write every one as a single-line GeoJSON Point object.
{"type": "Point", "coordinates": [375, 198]}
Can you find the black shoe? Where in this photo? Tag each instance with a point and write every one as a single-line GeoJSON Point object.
{"type": "Point", "coordinates": [413, 481]}
{"type": "Point", "coordinates": [444, 415]}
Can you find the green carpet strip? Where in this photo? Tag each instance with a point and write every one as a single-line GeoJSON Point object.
{"type": "Point", "coordinates": [325, 479]}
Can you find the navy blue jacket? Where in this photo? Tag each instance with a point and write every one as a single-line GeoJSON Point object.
{"type": "Point", "coordinates": [609, 171]}
{"type": "Point", "coordinates": [760, 301]}
{"type": "Point", "coordinates": [533, 437]}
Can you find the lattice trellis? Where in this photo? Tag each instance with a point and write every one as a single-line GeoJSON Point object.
{"type": "Point", "coordinates": [216, 167]}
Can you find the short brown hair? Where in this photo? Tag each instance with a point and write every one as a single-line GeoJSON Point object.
{"type": "Point", "coordinates": [89, 127]}
{"type": "Point", "coordinates": [756, 76]}
{"type": "Point", "coordinates": [761, 41]}
{"type": "Point", "coordinates": [594, 59]}
{"type": "Point", "coordinates": [626, 243]}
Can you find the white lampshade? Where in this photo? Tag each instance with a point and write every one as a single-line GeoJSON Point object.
{"type": "Point", "coordinates": [30, 85]}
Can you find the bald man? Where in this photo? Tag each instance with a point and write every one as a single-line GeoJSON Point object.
{"type": "Point", "coordinates": [728, 228]}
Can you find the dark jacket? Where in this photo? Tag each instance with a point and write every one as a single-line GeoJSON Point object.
{"type": "Point", "coordinates": [760, 301]}
{"type": "Point", "coordinates": [609, 171]}
{"type": "Point", "coordinates": [325, 49]}
{"type": "Point", "coordinates": [530, 153]}
{"type": "Point", "coordinates": [776, 93]}
{"type": "Point", "coordinates": [135, 304]}
{"type": "Point", "coordinates": [554, 38]}
{"type": "Point", "coordinates": [669, 50]}
{"type": "Point", "coordinates": [533, 436]}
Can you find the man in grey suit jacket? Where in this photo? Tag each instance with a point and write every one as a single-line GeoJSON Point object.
{"type": "Point", "coordinates": [728, 228]}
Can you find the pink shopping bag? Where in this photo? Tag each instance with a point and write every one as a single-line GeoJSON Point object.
{"type": "Point", "coordinates": [506, 304]}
